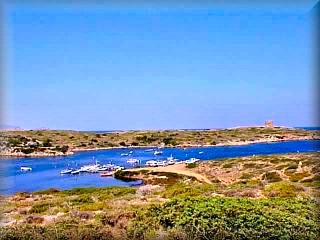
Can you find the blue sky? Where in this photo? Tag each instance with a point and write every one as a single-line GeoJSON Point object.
{"type": "Point", "coordinates": [127, 68]}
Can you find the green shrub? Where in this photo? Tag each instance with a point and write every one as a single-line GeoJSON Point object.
{"type": "Point", "coordinates": [292, 166]}
{"type": "Point", "coordinates": [246, 176]}
{"type": "Point", "coordinates": [82, 199]}
{"type": "Point", "coordinates": [227, 165]}
{"type": "Point", "coordinates": [47, 191]}
{"type": "Point", "coordinates": [170, 141]}
{"type": "Point", "coordinates": [27, 150]}
{"type": "Point", "coordinates": [229, 218]}
{"type": "Point", "coordinates": [281, 189]}
{"type": "Point", "coordinates": [295, 177]}
{"type": "Point", "coordinates": [39, 208]}
{"type": "Point", "coordinates": [191, 165]}
{"type": "Point", "coordinates": [272, 177]}
{"type": "Point", "coordinates": [47, 143]}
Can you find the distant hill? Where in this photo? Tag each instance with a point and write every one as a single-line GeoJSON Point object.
{"type": "Point", "coordinates": [6, 127]}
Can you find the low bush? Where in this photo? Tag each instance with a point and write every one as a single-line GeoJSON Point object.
{"type": "Point", "coordinates": [229, 218]}
{"type": "Point", "coordinates": [295, 177]}
{"type": "Point", "coordinates": [191, 165]}
{"type": "Point", "coordinates": [272, 177]}
{"type": "Point", "coordinates": [281, 189]}
{"type": "Point", "coordinates": [47, 191]}
{"type": "Point", "coordinates": [39, 208]}
{"type": "Point", "coordinates": [227, 165]}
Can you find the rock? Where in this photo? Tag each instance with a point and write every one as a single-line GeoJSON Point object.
{"type": "Point", "coordinates": [147, 189]}
{"type": "Point", "coordinates": [34, 219]}
{"type": "Point", "coordinates": [82, 215]}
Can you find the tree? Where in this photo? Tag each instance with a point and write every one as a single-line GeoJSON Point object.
{"type": "Point", "coordinates": [64, 149]}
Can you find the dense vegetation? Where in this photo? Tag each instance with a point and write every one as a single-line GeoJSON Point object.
{"type": "Point", "coordinates": [186, 216]}
{"type": "Point", "coordinates": [228, 218]}
{"type": "Point", "coordinates": [62, 141]}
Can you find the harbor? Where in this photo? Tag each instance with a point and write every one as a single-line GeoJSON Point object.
{"type": "Point", "coordinates": [82, 170]}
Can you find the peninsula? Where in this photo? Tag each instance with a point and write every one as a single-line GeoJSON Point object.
{"type": "Point", "coordinates": [40, 143]}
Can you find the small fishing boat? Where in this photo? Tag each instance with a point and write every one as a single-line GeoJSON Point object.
{"type": "Point", "coordinates": [200, 152]}
{"type": "Point", "coordinates": [66, 171]}
{"type": "Point", "coordinates": [171, 160]}
{"type": "Point", "coordinates": [76, 172]}
{"type": "Point", "coordinates": [162, 163]}
{"type": "Point", "coordinates": [149, 150]}
{"type": "Point", "coordinates": [124, 154]}
{"type": "Point", "coordinates": [102, 169]}
{"type": "Point", "coordinates": [192, 160]}
{"type": "Point", "coordinates": [133, 161]}
{"type": "Point", "coordinates": [152, 163]}
{"type": "Point", "coordinates": [25, 169]}
{"type": "Point", "coordinates": [157, 152]}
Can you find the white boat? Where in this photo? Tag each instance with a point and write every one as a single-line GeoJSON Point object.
{"type": "Point", "coordinates": [192, 160]}
{"type": "Point", "coordinates": [152, 163]}
{"type": "Point", "coordinates": [103, 169]}
{"type": "Point", "coordinates": [133, 160]}
{"type": "Point", "coordinates": [149, 150]}
{"type": "Point", "coordinates": [25, 169]}
{"type": "Point", "coordinates": [92, 168]}
{"type": "Point", "coordinates": [76, 171]}
{"type": "Point", "coordinates": [66, 171]}
{"type": "Point", "coordinates": [157, 152]}
{"type": "Point", "coordinates": [130, 152]}
{"type": "Point", "coordinates": [162, 163]}
{"type": "Point", "coordinates": [171, 160]}
{"type": "Point", "coordinates": [124, 154]}
{"type": "Point", "coordinates": [200, 152]}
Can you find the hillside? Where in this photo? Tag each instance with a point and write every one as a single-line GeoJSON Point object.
{"type": "Point", "coordinates": [265, 197]}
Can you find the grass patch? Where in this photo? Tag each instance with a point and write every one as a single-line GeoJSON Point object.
{"type": "Point", "coordinates": [227, 165]}
{"type": "Point", "coordinates": [295, 177]}
{"type": "Point", "coordinates": [281, 189]}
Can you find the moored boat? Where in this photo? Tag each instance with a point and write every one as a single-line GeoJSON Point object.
{"type": "Point", "coordinates": [162, 163]}
{"type": "Point", "coordinates": [192, 160]}
{"type": "Point", "coordinates": [133, 161]}
{"type": "Point", "coordinates": [25, 169]}
{"type": "Point", "coordinates": [157, 152]}
{"type": "Point", "coordinates": [152, 163]}
{"type": "Point", "coordinates": [171, 160]}
{"type": "Point", "coordinates": [66, 171]}
{"type": "Point", "coordinates": [76, 172]}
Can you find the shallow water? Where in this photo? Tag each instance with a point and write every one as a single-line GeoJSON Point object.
{"type": "Point", "coordinates": [46, 171]}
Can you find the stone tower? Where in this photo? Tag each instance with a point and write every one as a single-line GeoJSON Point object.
{"type": "Point", "coordinates": [268, 124]}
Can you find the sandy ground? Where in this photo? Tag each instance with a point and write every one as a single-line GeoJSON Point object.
{"type": "Point", "coordinates": [177, 168]}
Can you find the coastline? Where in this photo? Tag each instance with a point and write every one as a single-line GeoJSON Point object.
{"type": "Point", "coordinates": [228, 143]}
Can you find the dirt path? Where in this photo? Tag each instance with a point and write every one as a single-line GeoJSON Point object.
{"type": "Point", "coordinates": [179, 169]}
